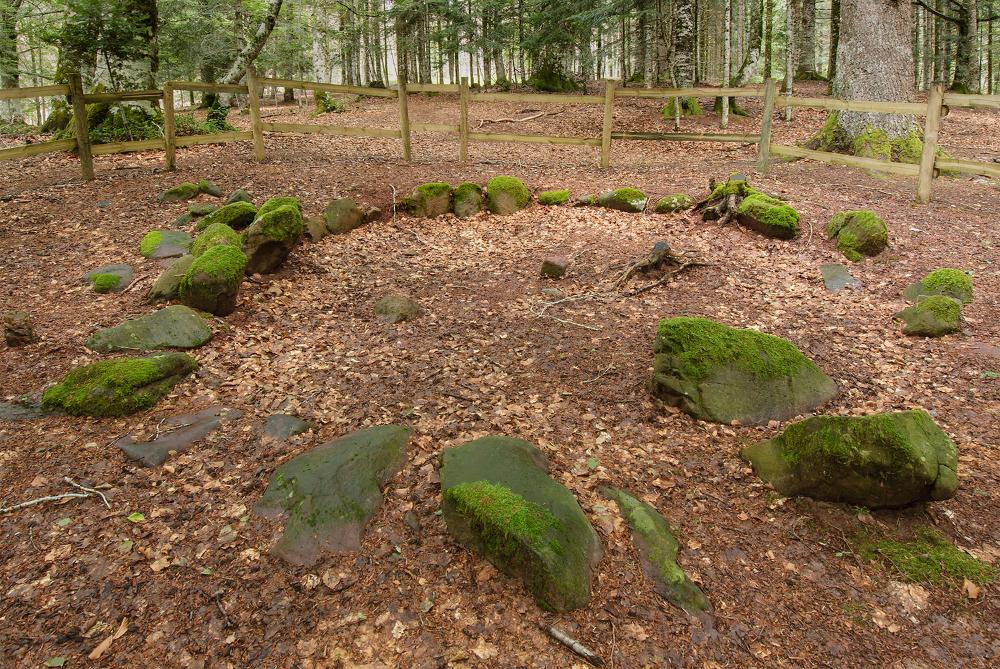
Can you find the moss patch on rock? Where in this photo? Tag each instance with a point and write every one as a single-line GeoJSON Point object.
{"type": "Point", "coordinates": [217, 233]}
{"type": "Point", "coordinates": [176, 326]}
{"type": "Point", "coordinates": [931, 316]}
{"type": "Point", "coordinates": [179, 193]}
{"type": "Point", "coordinates": [468, 199]}
{"type": "Point", "coordinates": [282, 201]}
{"type": "Point", "coordinates": [118, 387]}
{"type": "Point", "coordinates": [953, 283]}
{"type": "Point", "coordinates": [768, 216]}
{"type": "Point", "coordinates": [674, 203]}
{"type": "Point", "coordinates": [164, 244]}
{"type": "Point", "coordinates": [631, 200]}
{"type": "Point", "coordinates": [213, 280]}
{"type": "Point", "coordinates": [553, 197]}
{"type": "Point", "coordinates": [506, 195]}
{"type": "Point", "coordinates": [105, 283]}
{"type": "Point", "coordinates": [929, 557]}
{"type": "Point", "coordinates": [167, 285]}
{"type": "Point", "coordinates": [858, 233]}
{"type": "Point", "coordinates": [269, 240]}
{"type": "Point", "coordinates": [236, 215]}
{"type": "Point", "coordinates": [430, 200]}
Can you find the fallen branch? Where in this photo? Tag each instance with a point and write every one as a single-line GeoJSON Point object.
{"type": "Point", "coordinates": [86, 492]}
{"type": "Point", "coordinates": [663, 279]}
{"type": "Point", "coordinates": [484, 121]}
{"type": "Point", "coordinates": [574, 645]}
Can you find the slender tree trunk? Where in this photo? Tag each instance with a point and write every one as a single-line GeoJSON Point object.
{"type": "Point", "coordinates": [967, 49]}
{"type": "Point", "coordinates": [727, 31]}
{"type": "Point", "coordinates": [768, 38]}
{"type": "Point", "coordinates": [10, 110]}
{"type": "Point", "coordinates": [790, 54]}
{"type": "Point", "coordinates": [254, 45]}
{"type": "Point", "coordinates": [831, 68]}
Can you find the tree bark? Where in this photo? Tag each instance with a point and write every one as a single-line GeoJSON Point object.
{"type": "Point", "coordinates": [254, 45]}
{"type": "Point", "coordinates": [831, 70]}
{"type": "Point", "coordinates": [966, 78]}
{"type": "Point", "coordinates": [805, 66]}
{"type": "Point", "coordinates": [10, 110]}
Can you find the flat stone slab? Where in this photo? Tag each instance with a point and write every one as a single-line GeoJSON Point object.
{"type": "Point", "coordinates": [176, 435]}
{"type": "Point", "coordinates": [122, 271]}
{"type": "Point", "coordinates": [175, 326]}
{"type": "Point", "coordinates": [283, 426]}
{"type": "Point", "coordinates": [165, 244]}
{"type": "Point", "coordinates": [15, 411]}
{"type": "Point", "coordinates": [836, 278]}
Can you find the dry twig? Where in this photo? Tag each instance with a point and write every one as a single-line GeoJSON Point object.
{"type": "Point", "coordinates": [85, 492]}
{"type": "Point", "coordinates": [484, 121]}
{"type": "Point", "coordinates": [574, 645]}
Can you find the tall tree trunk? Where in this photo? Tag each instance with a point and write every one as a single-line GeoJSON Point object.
{"type": "Point", "coordinates": [831, 69]}
{"type": "Point", "coordinates": [967, 49]}
{"type": "Point", "coordinates": [805, 48]}
{"type": "Point", "coordinates": [768, 38]}
{"type": "Point", "coordinates": [684, 48]}
{"type": "Point", "coordinates": [751, 60]}
{"type": "Point", "coordinates": [253, 47]}
{"type": "Point", "coordinates": [10, 110]}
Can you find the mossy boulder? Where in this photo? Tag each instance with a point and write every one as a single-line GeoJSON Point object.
{"type": "Point", "coordinates": [208, 188]}
{"type": "Point", "coordinates": [199, 209]}
{"type": "Point", "coordinates": [467, 199]}
{"type": "Point", "coordinates": [877, 461]}
{"type": "Point", "coordinates": [769, 216]}
{"type": "Point", "coordinates": [506, 195]}
{"type": "Point", "coordinates": [213, 235]}
{"type": "Point", "coordinates": [342, 215]}
{"type": "Point", "coordinates": [718, 373]}
{"type": "Point", "coordinates": [110, 278]}
{"type": "Point", "coordinates": [271, 237]}
{"type": "Point", "coordinates": [179, 193]}
{"type": "Point", "coordinates": [553, 198]}
{"type": "Point", "coordinates": [239, 195]}
{"type": "Point", "coordinates": [118, 387]}
{"type": "Point", "coordinates": [946, 281]}
{"type": "Point", "coordinates": [237, 215]}
{"type": "Point", "coordinates": [396, 308]}
{"type": "Point", "coordinates": [165, 244]}
{"type": "Point", "coordinates": [176, 326]}
{"type": "Point", "coordinates": [631, 200]}
{"type": "Point", "coordinates": [430, 200]}
{"type": "Point", "coordinates": [931, 316]}
{"type": "Point", "coordinates": [281, 201]}
{"type": "Point", "coordinates": [168, 284]}
{"type": "Point", "coordinates": [658, 550]}
{"type": "Point", "coordinates": [212, 282]}
{"type": "Point", "coordinates": [330, 493]}
{"type": "Point", "coordinates": [858, 233]}
{"type": "Point", "coordinates": [499, 501]}
{"type": "Point", "coordinates": [674, 203]}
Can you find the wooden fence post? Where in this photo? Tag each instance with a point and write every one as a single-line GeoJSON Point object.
{"type": "Point", "coordinates": [764, 148]}
{"type": "Point", "coordinates": [169, 128]}
{"type": "Point", "coordinates": [463, 120]}
{"type": "Point", "coordinates": [609, 104]}
{"type": "Point", "coordinates": [253, 95]}
{"type": "Point", "coordinates": [404, 118]}
{"type": "Point", "coordinates": [932, 123]}
{"type": "Point", "coordinates": [81, 126]}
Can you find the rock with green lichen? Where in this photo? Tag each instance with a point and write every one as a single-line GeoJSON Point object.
{"type": "Point", "coordinates": [165, 244]}
{"type": "Point", "coordinates": [723, 374]}
{"type": "Point", "coordinates": [499, 501]}
{"type": "Point", "coordinates": [585, 200]}
{"type": "Point", "coordinates": [631, 200]}
{"type": "Point", "coordinates": [506, 195]}
{"type": "Point", "coordinates": [931, 316]}
{"type": "Point", "coordinates": [879, 461]}
{"type": "Point", "coordinates": [198, 209]}
{"type": "Point", "coordinates": [118, 387]}
{"type": "Point", "coordinates": [110, 278]}
{"type": "Point", "coordinates": [329, 493]}
{"type": "Point", "coordinates": [176, 326]}
{"type": "Point", "coordinates": [858, 233]}
{"type": "Point", "coordinates": [237, 216]}
{"type": "Point", "coordinates": [396, 309]}
{"type": "Point", "coordinates": [208, 188]}
{"type": "Point", "coordinates": [769, 216]}
{"type": "Point", "coordinates": [179, 193]}
{"type": "Point", "coordinates": [342, 215]}
{"type": "Point", "coordinates": [217, 233]}
{"type": "Point", "coordinates": [183, 220]}
{"type": "Point", "coordinates": [689, 107]}
{"type": "Point", "coordinates": [658, 549]}
{"type": "Point", "coordinates": [167, 285]}
{"type": "Point", "coordinates": [468, 199]}
{"type": "Point", "coordinates": [674, 203]}
{"type": "Point", "coordinates": [429, 200]}
{"type": "Point", "coordinates": [946, 281]}
{"type": "Point", "coordinates": [239, 196]}
{"type": "Point", "coordinates": [553, 197]}
{"type": "Point", "coordinates": [271, 237]}
{"type": "Point", "coordinates": [105, 283]}
{"type": "Point", "coordinates": [212, 281]}
{"type": "Point", "coordinates": [282, 201]}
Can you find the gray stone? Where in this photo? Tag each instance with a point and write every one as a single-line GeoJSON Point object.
{"type": "Point", "coordinates": [15, 411]}
{"type": "Point", "coordinates": [168, 284]}
{"type": "Point", "coordinates": [175, 435]}
{"type": "Point", "coordinates": [239, 196]}
{"type": "Point", "coordinates": [18, 329]}
{"type": "Point", "coordinates": [396, 308]}
{"type": "Point", "coordinates": [283, 426]}
{"type": "Point", "coordinates": [121, 270]}
{"type": "Point", "coordinates": [165, 244]}
{"type": "Point", "coordinates": [836, 278]}
{"type": "Point", "coordinates": [315, 228]}
{"type": "Point", "coordinates": [343, 215]}
{"type": "Point", "coordinates": [175, 326]}
{"type": "Point", "coordinates": [554, 267]}
{"type": "Point", "coordinates": [631, 200]}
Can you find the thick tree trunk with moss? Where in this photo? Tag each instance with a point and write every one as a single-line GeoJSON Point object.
{"type": "Point", "coordinates": [874, 62]}
{"type": "Point", "coordinates": [805, 48]}
{"type": "Point", "coordinates": [10, 110]}
{"type": "Point", "coordinates": [684, 52]}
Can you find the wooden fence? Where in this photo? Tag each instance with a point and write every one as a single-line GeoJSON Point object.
{"type": "Point", "coordinates": [930, 163]}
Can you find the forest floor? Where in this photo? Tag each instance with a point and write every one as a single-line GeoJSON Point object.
{"type": "Point", "coordinates": [193, 584]}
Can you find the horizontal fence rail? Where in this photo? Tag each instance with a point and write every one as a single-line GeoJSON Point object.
{"type": "Point", "coordinates": [930, 165]}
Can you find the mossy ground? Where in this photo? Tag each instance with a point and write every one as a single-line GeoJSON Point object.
{"type": "Point", "coordinates": [929, 557]}
{"type": "Point", "coordinates": [104, 283]}
{"type": "Point", "coordinates": [553, 197]}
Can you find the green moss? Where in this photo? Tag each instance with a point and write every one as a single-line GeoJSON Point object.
{"type": "Point", "coordinates": [929, 557]}
{"type": "Point", "coordinates": [673, 203]}
{"type": "Point", "coordinates": [689, 107]}
{"type": "Point", "coordinates": [858, 233]}
{"type": "Point", "coordinates": [631, 194]}
{"type": "Point", "coordinates": [216, 233]}
{"type": "Point", "coordinates": [104, 283]}
{"type": "Point", "coordinates": [947, 281]}
{"type": "Point", "coordinates": [433, 189]}
{"type": "Point", "coordinates": [281, 223]}
{"type": "Point", "coordinates": [702, 344]}
{"type": "Point", "coordinates": [846, 439]}
{"type": "Point", "coordinates": [150, 242]}
{"type": "Point", "coordinates": [506, 520]}
{"type": "Point", "coordinates": [769, 215]}
{"type": "Point", "coordinates": [872, 143]}
{"type": "Point", "coordinates": [736, 185]}
{"type": "Point", "coordinates": [932, 316]}
{"type": "Point", "coordinates": [943, 307]}
{"type": "Point", "coordinates": [326, 104]}
{"type": "Point", "coordinates": [553, 197]}
{"type": "Point", "coordinates": [237, 215]}
{"type": "Point", "coordinates": [222, 261]}
{"type": "Point", "coordinates": [276, 202]}
{"type": "Point", "coordinates": [908, 149]}
{"type": "Point", "coordinates": [180, 193]}
{"type": "Point", "coordinates": [468, 189]}
{"type": "Point", "coordinates": [505, 195]}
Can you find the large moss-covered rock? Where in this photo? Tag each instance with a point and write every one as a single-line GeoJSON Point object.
{"type": "Point", "coordinates": [719, 373]}
{"type": "Point", "coordinates": [342, 215]}
{"type": "Point", "coordinates": [330, 492]}
{"type": "Point", "coordinates": [179, 193]}
{"type": "Point", "coordinates": [506, 195]}
{"type": "Point", "coordinates": [237, 215]}
{"type": "Point", "coordinates": [658, 549]}
{"type": "Point", "coordinates": [168, 284]}
{"type": "Point", "coordinates": [554, 198]}
{"type": "Point", "coordinates": [946, 281]}
{"type": "Point", "coordinates": [931, 316]}
{"type": "Point", "coordinates": [430, 200]}
{"type": "Point", "coordinates": [281, 201]}
{"type": "Point", "coordinates": [858, 233]}
{"type": "Point", "coordinates": [110, 278]}
{"type": "Point", "coordinates": [176, 326]}
{"type": "Point", "coordinates": [631, 200]}
{"type": "Point", "coordinates": [165, 244]}
{"type": "Point", "coordinates": [500, 502]}
{"type": "Point", "coordinates": [768, 216]}
{"type": "Point", "coordinates": [215, 234]}
{"type": "Point", "coordinates": [212, 282]}
{"type": "Point", "coordinates": [468, 199]}
{"type": "Point", "coordinates": [396, 308]}
{"type": "Point", "coordinates": [882, 460]}
{"type": "Point", "coordinates": [270, 239]}
{"type": "Point", "coordinates": [118, 387]}
{"type": "Point", "coordinates": [674, 203]}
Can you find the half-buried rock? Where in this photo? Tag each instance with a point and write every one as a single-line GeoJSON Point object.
{"type": "Point", "coordinates": [212, 282]}
{"type": "Point", "coordinates": [430, 200]}
{"type": "Point", "coordinates": [175, 435]}
{"type": "Point", "coordinates": [175, 326]}
{"type": "Point", "coordinates": [878, 461]}
{"type": "Point", "coordinates": [396, 309]}
{"type": "Point", "coordinates": [271, 237]}
{"type": "Point", "coordinates": [342, 215]}
{"type": "Point", "coordinates": [164, 244]}
{"type": "Point", "coordinates": [468, 199]}
{"type": "Point", "coordinates": [168, 283]}
{"type": "Point", "coordinates": [946, 281]}
{"type": "Point", "coordinates": [858, 233]}
{"type": "Point", "coordinates": [931, 316]}
{"type": "Point", "coordinates": [329, 493]}
{"type": "Point", "coordinates": [631, 200]}
{"type": "Point", "coordinates": [118, 387]}
{"type": "Point", "coordinates": [110, 278]}
{"type": "Point", "coordinates": [500, 502]}
{"type": "Point", "coordinates": [718, 373]}
{"type": "Point", "coordinates": [505, 195]}
{"type": "Point", "coordinates": [658, 548]}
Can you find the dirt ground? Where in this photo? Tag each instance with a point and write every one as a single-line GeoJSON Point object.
{"type": "Point", "coordinates": [193, 585]}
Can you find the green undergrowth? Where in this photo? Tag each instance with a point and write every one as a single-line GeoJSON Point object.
{"type": "Point", "coordinates": [929, 557]}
